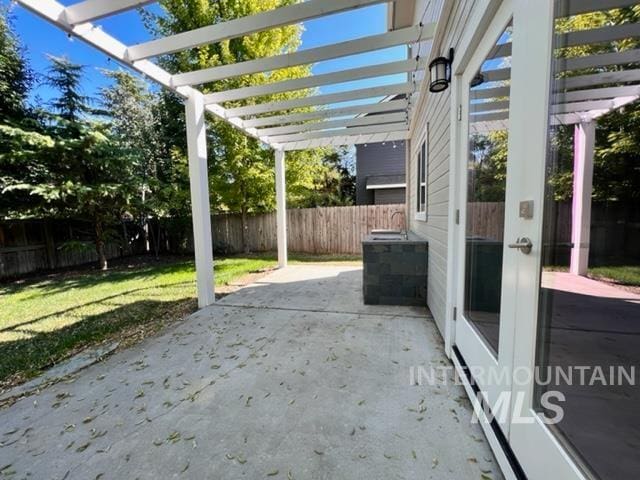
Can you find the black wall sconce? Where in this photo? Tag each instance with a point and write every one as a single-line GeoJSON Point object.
{"type": "Point", "coordinates": [440, 70]}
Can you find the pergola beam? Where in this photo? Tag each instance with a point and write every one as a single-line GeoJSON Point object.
{"type": "Point", "coordinates": [390, 127]}
{"type": "Point", "coordinates": [350, 122]}
{"type": "Point", "coordinates": [346, 140]}
{"type": "Point", "coordinates": [305, 57]}
{"type": "Point", "coordinates": [91, 10]}
{"type": "Point", "coordinates": [598, 94]}
{"type": "Point", "coordinates": [244, 26]}
{"type": "Point", "coordinates": [582, 37]}
{"type": "Point", "coordinates": [391, 106]}
{"type": "Point", "coordinates": [313, 81]}
{"type": "Point", "coordinates": [570, 8]}
{"type": "Point", "coordinates": [603, 78]}
{"type": "Point", "coordinates": [329, 98]}
{"type": "Point", "coordinates": [592, 105]}
{"type": "Point", "coordinates": [601, 60]}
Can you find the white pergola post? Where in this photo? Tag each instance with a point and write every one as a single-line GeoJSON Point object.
{"type": "Point", "coordinates": [281, 208]}
{"type": "Point", "coordinates": [584, 150]}
{"type": "Point", "coordinates": [199, 183]}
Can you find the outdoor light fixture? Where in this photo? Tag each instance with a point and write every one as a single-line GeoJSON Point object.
{"type": "Point", "coordinates": [440, 69]}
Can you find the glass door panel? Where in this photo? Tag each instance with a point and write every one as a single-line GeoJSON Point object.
{"type": "Point", "coordinates": [589, 297]}
{"type": "Point", "coordinates": [486, 189]}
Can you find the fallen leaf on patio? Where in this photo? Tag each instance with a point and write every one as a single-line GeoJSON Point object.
{"type": "Point", "coordinates": [273, 473]}
{"type": "Point", "coordinates": [318, 452]}
{"type": "Point", "coordinates": [83, 447]}
{"type": "Point", "coordinates": [413, 454]}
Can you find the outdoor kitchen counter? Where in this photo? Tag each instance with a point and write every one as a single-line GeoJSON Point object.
{"type": "Point", "coordinates": [395, 269]}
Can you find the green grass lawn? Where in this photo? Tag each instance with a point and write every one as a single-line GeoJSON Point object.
{"type": "Point", "coordinates": [628, 275]}
{"type": "Point", "coordinates": [622, 274]}
{"type": "Point", "coordinates": [44, 320]}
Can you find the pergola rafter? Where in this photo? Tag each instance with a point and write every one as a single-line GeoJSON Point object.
{"type": "Point", "coordinates": [391, 106]}
{"type": "Point", "coordinates": [244, 26]}
{"type": "Point", "coordinates": [384, 69]}
{"type": "Point", "coordinates": [305, 57]}
{"type": "Point", "coordinates": [326, 99]}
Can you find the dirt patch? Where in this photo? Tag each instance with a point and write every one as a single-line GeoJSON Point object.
{"type": "Point", "coordinates": [224, 290]}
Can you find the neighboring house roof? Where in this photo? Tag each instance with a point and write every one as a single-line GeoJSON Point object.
{"type": "Point", "coordinates": [376, 182]}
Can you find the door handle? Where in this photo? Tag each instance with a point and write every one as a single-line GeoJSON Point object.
{"type": "Point", "coordinates": [523, 244]}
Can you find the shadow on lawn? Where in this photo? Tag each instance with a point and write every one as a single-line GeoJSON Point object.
{"type": "Point", "coordinates": [62, 282]}
{"type": "Point", "coordinates": [18, 326]}
{"type": "Point", "coordinates": [24, 358]}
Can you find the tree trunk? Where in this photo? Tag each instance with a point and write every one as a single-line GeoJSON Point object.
{"type": "Point", "coordinates": [243, 220]}
{"type": "Point", "coordinates": [102, 257]}
{"type": "Point", "coordinates": [126, 247]}
{"type": "Point", "coordinates": [155, 238]}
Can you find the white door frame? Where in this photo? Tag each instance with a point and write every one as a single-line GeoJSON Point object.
{"type": "Point", "coordinates": [470, 343]}
{"type": "Point", "coordinates": [539, 451]}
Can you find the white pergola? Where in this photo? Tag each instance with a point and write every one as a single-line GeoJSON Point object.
{"type": "Point", "coordinates": [276, 124]}
{"type": "Point", "coordinates": [578, 100]}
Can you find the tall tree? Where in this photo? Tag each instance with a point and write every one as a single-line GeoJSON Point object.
{"type": "Point", "coordinates": [133, 113]}
{"type": "Point", "coordinates": [70, 105]}
{"type": "Point", "coordinates": [16, 77]}
{"type": "Point", "coordinates": [242, 177]}
{"type": "Point", "coordinates": [73, 169]}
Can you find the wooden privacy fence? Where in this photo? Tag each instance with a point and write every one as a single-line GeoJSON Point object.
{"type": "Point", "coordinates": [328, 230]}
{"type": "Point", "coordinates": [615, 229]}
{"type": "Point", "coordinates": [33, 245]}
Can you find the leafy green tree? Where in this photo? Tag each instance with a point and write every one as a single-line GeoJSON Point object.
{"type": "Point", "coordinates": [133, 112]}
{"type": "Point", "coordinates": [241, 170]}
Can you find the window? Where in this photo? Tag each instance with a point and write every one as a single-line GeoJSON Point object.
{"type": "Point", "coordinates": [421, 182]}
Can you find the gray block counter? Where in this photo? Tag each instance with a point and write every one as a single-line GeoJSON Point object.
{"type": "Point", "coordinates": [395, 270]}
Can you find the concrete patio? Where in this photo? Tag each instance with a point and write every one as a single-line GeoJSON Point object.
{"type": "Point", "coordinates": [291, 377]}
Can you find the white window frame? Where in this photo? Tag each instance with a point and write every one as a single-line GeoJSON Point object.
{"type": "Point", "coordinates": [422, 179]}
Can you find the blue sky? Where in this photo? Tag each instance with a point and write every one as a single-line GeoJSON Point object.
{"type": "Point", "coordinates": [41, 38]}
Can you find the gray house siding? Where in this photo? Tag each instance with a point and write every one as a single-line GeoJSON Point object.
{"type": "Point", "coordinates": [377, 159]}
{"type": "Point", "coordinates": [435, 109]}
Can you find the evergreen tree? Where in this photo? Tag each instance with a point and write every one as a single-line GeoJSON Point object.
{"type": "Point", "coordinates": [64, 76]}
{"type": "Point", "coordinates": [15, 75]}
